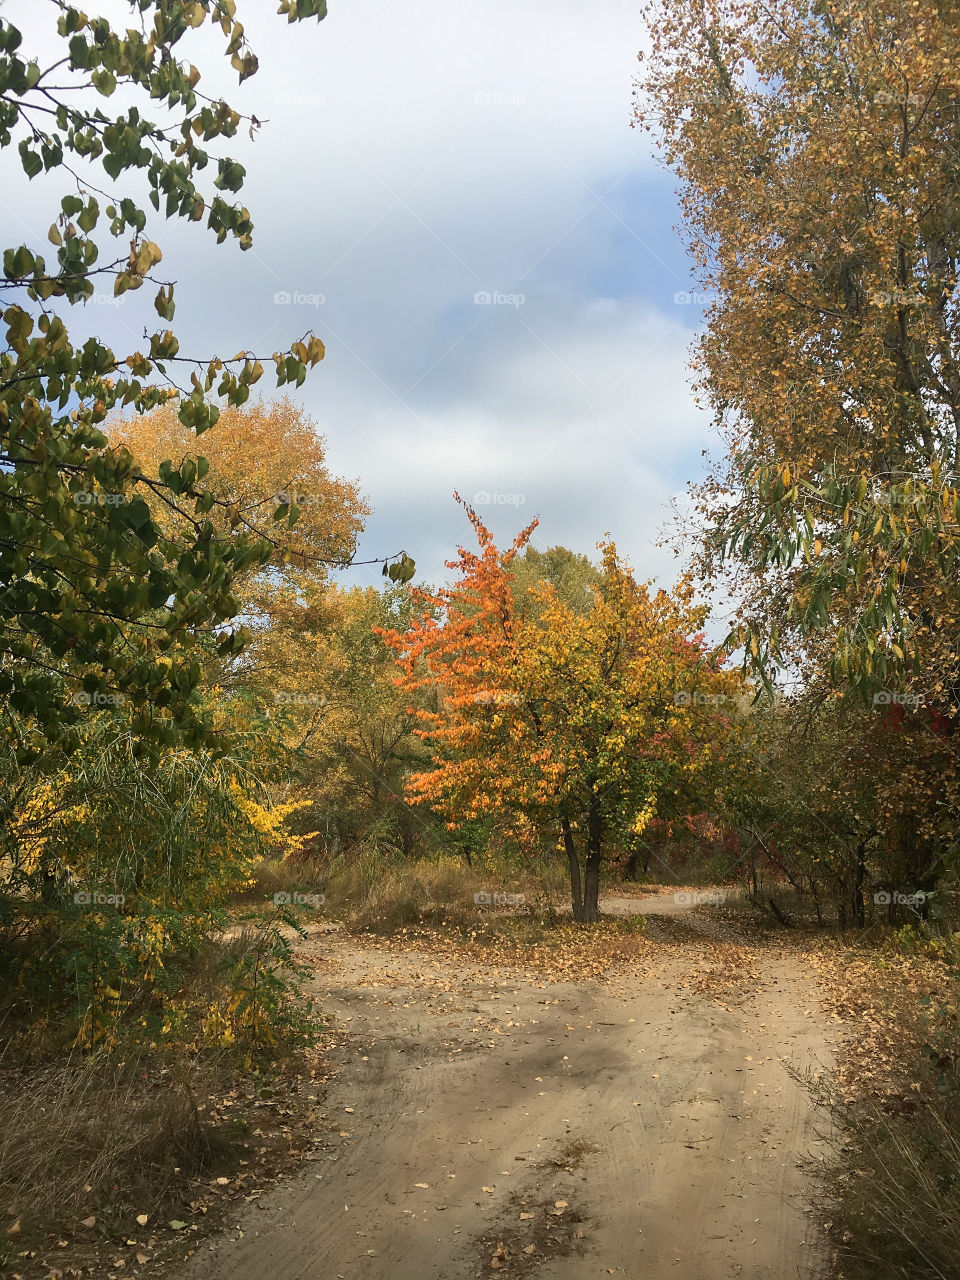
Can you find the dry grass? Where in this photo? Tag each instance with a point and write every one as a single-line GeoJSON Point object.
{"type": "Point", "coordinates": [99, 1137]}
{"type": "Point", "coordinates": [432, 893]}
{"type": "Point", "coordinates": [274, 875]}
{"type": "Point", "coordinates": [894, 1202]}
{"type": "Point", "coordinates": [896, 1207]}
{"type": "Point", "coordinates": [372, 894]}
{"type": "Point", "coordinates": [87, 1134]}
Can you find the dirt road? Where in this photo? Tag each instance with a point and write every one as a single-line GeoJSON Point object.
{"type": "Point", "coordinates": [642, 1125]}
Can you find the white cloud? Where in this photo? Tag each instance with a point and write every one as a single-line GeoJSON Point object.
{"type": "Point", "coordinates": [414, 155]}
{"type": "Point", "coordinates": [579, 416]}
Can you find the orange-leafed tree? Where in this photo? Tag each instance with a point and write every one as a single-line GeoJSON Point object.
{"type": "Point", "coordinates": [260, 461]}
{"type": "Point", "coordinates": [577, 723]}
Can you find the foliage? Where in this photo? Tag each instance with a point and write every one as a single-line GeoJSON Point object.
{"type": "Point", "coordinates": [261, 457]}
{"type": "Point", "coordinates": [814, 149]}
{"type": "Point", "coordinates": [573, 577]}
{"type": "Point", "coordinates": [116, 869]}
{"type": "Point", "coordinates": [320, 679]}
{"type": "Point", "coordinates": [563, 723]}
{"type": "Point", "coordinates": [92, 591]}
{"type": "Point", "coordinates": [851, 807]}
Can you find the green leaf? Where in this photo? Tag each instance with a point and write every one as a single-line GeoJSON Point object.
{"type": "Point", "coordinates": [104, 82]}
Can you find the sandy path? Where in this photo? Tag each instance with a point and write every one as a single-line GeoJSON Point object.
{"type": "Point", "coordinates": [644, 1125]}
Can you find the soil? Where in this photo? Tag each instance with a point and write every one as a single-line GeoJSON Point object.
{"type": "Point", "coordinates": [650, 1123]}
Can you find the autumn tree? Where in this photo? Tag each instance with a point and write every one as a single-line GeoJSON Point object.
{"type": "Point", "coordinates": [312, 666]}
{"type": "Point", "coordinates": [355, 739]}
{"type": "Point", "coordinates": [573, 723]}
{"type": "Point", "coordinates": [260, 458]}
{"type": "Point", "coordinates": [814, 147]}
{"type": "Point", "coordinates": [820, 796]}
{"type": "Point", "coordinates": [92, 592]}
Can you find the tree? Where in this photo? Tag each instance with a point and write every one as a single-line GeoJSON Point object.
{"type": "Point", "coordinates": [571, 723]}
{"type": "Point", "coordinates": [321, 673]}
{"type": "Point", "coordinates": [260, 457]}
{"type": "Point", "coordinates": [814, 145]}
{"type": "Point", "coordinates": [354, 765]}
{"type": "Point", "coordinates": [846, 804]}
{"type": "Point", "coordinates": [573, 576]}
{"type": "Point", "coordinates": [92, 591]}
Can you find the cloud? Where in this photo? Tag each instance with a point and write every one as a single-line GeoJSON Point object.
{"type": "Point", "coordinates": [412, 157]}
{"type": "Point", "coordinates": [577, 413]}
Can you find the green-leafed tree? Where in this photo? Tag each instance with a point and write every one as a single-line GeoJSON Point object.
{"type": "Point", "coordinates": [573, 576]}
{"type": "Point", "coordinates": [94, 593]}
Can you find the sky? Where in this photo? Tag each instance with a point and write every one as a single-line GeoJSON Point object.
{"type": "Point", "coordinates": [451, 196]}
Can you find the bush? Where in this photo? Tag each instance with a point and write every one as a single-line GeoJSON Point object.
{"type": "Point", "coordinates": [117, 866]}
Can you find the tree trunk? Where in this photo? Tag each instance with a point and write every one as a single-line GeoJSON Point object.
{"type": "Point", "coordinates": [576, 896]}
{"type": "Point", "coordinates": [591, 884]}
{"type": "Point", "coordinates": [860, 875]}
{"type": "Point", "coordinates": [842, 908]}
{"type": "Point", "coordinates": [591, 890]}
